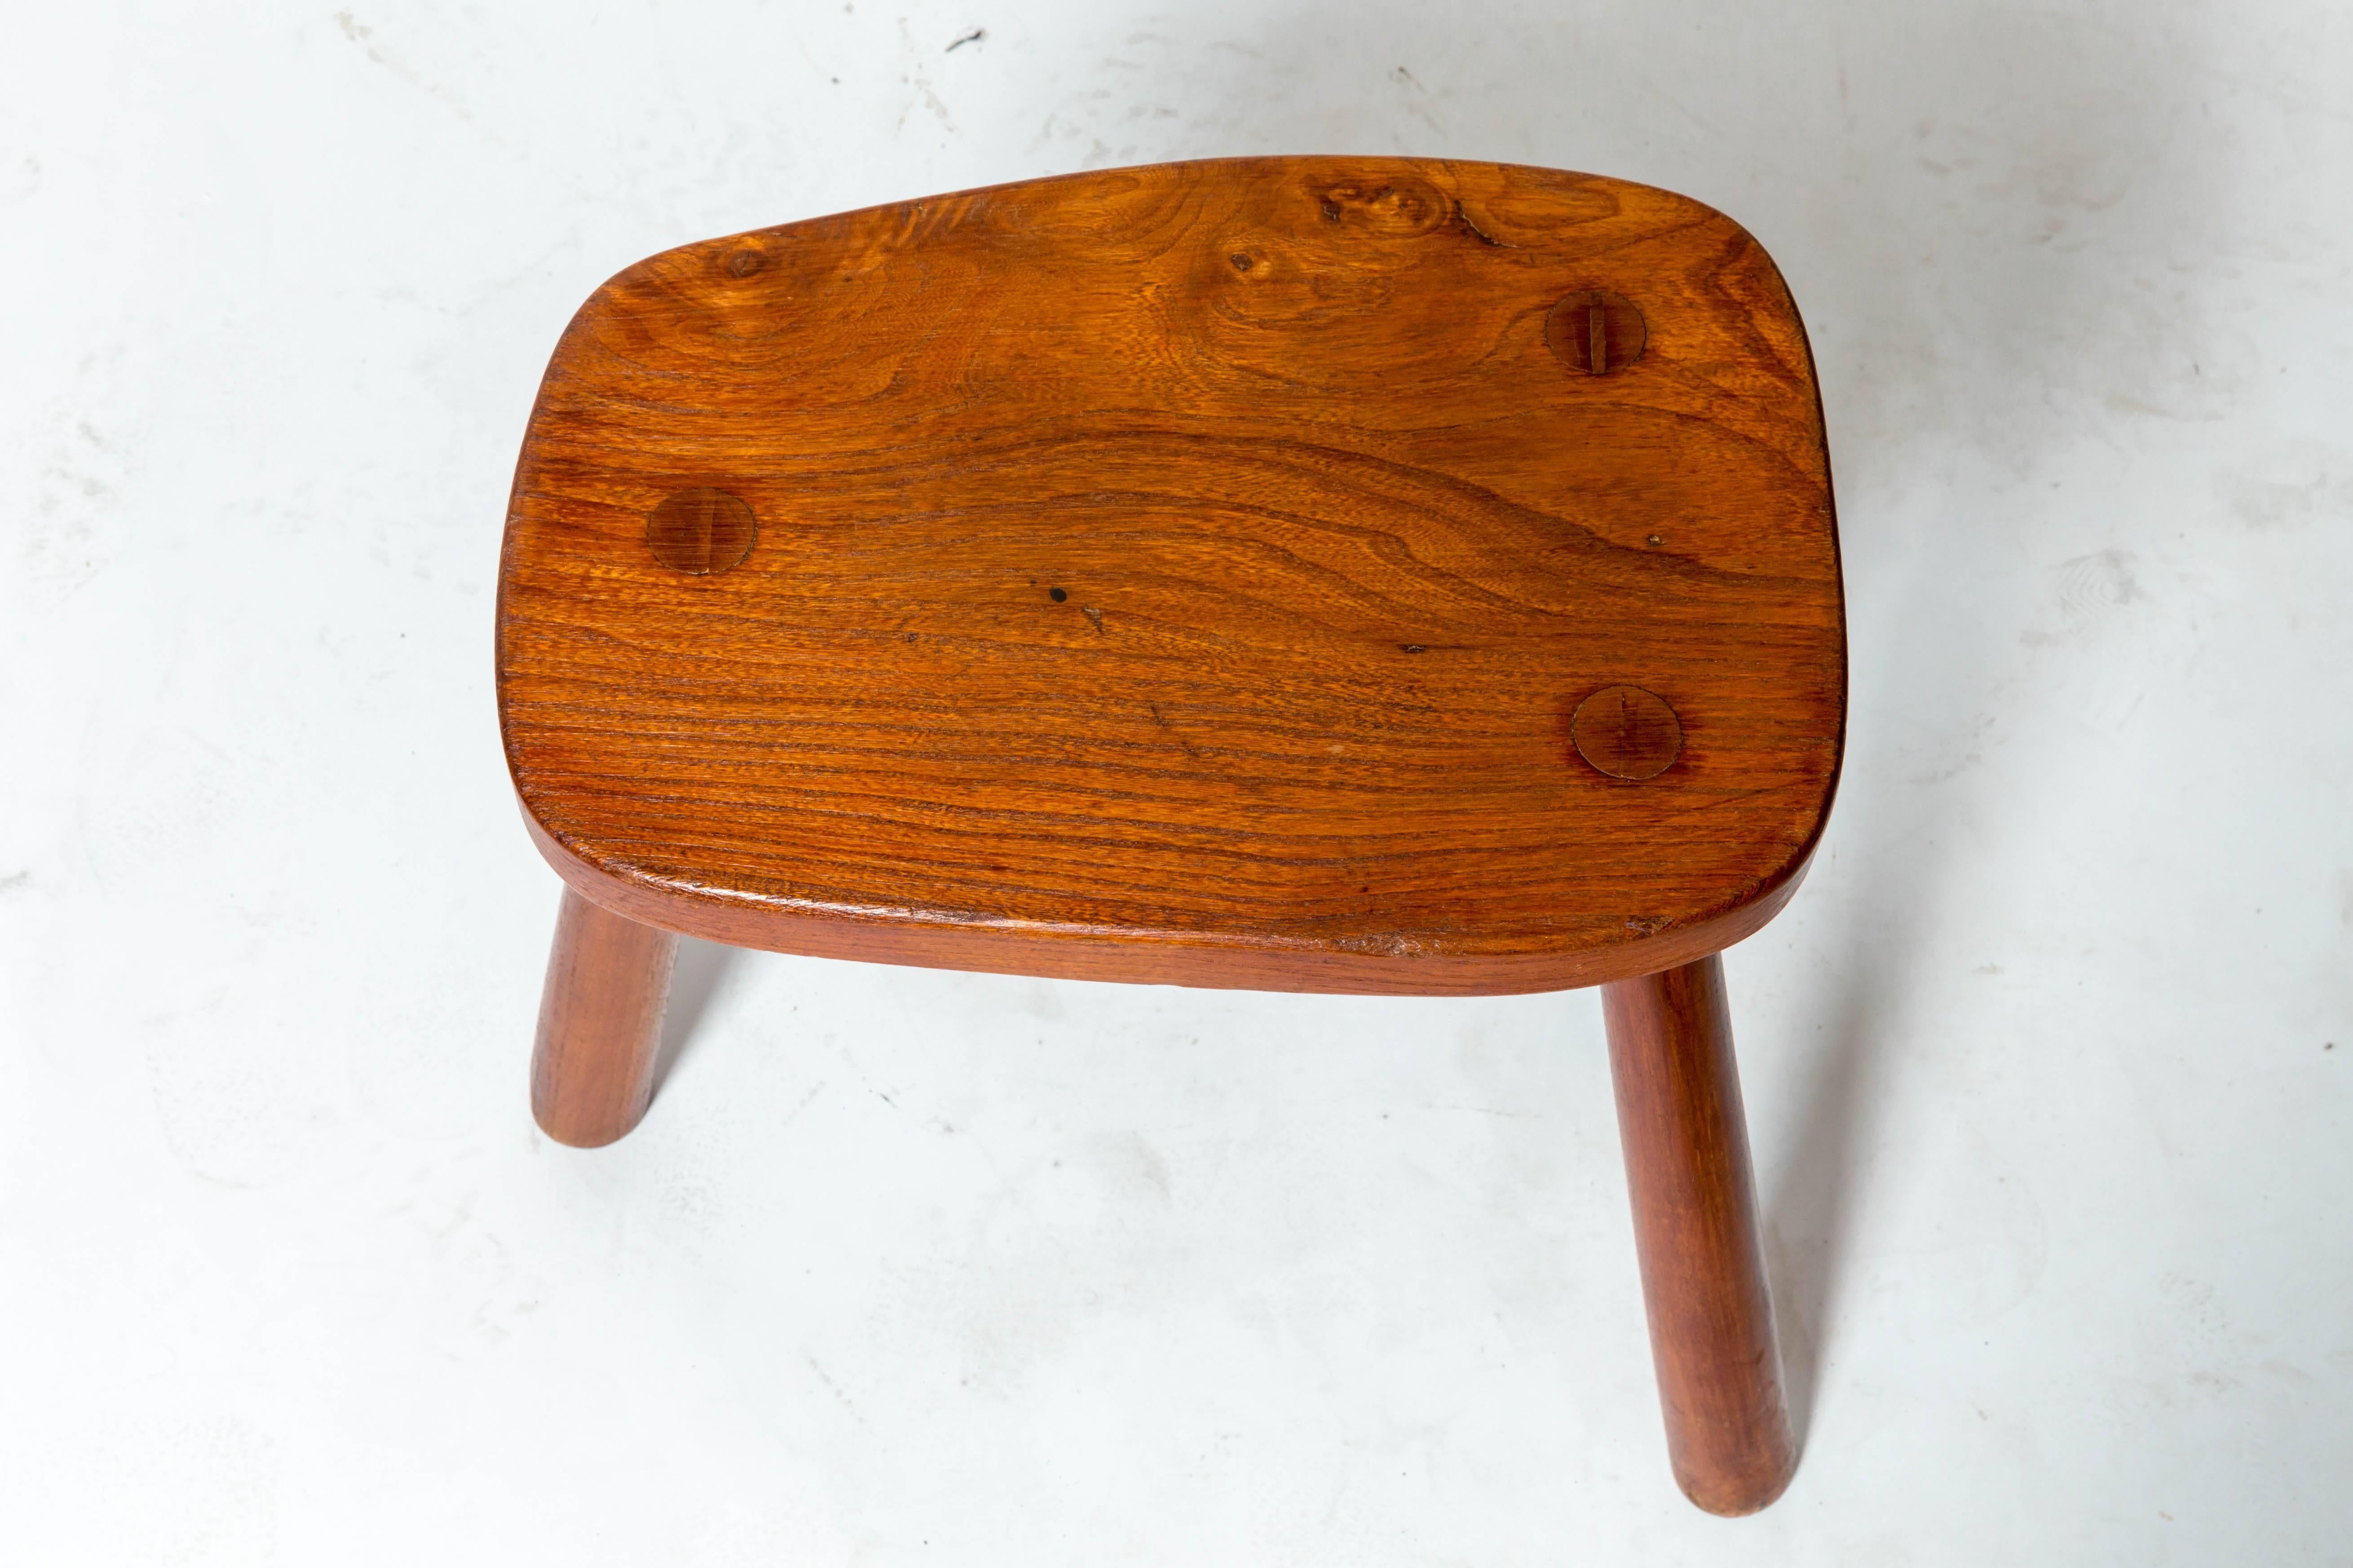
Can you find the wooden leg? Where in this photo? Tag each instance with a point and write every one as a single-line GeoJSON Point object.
{"type": "Point", "coordinates": [592, 1072]}
{"type": "Point", "coordinates": [1695, 1231]}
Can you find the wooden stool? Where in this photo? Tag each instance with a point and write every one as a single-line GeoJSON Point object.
{"type": "Point", "coordinates": [1368, 576]}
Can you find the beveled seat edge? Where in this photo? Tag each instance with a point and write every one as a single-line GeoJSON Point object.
{"type": "Point", "coordinates": [1156, 958]}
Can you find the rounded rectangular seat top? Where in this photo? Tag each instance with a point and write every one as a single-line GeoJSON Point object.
{"type": "Point", "coordinates": [1302, 573]}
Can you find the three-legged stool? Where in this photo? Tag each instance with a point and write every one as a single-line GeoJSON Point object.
{"type": "Point", "coordinates": [1300, 575]}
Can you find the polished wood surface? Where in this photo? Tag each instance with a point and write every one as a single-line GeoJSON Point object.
{"type": "Point", "coordinates": [1312, 573]}
{"type": "Point", "coordinates": [1187, 573]}
{"type": "Point", "coordinates": [1703, 1285]}
{"type": "Point", "coordinates": [600, 1020]}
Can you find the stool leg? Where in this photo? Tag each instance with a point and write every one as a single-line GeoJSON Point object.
{"type": "Point", "coordinates": [600, 1018]}
{"type": "Point", "coordinates": [1711, 1313]}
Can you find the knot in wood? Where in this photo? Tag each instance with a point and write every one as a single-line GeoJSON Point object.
{"type": "Point", "coordinates": [1397, 206]}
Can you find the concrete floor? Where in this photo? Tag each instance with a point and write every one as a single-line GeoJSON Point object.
{"type": "Point", "coordinates": [2049, 1066]}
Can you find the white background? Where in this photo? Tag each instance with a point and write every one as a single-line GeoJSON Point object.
{"type": "Point", "coordinates": [925, 1268]}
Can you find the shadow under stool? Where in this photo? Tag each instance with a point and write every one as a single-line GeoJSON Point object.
{"type": "Point", "coordinates": [1359, 575]}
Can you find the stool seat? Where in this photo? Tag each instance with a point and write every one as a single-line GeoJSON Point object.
{"type": "Point", "coordinates": [1299, 573]}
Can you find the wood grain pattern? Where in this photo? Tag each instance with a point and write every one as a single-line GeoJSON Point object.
{"type": "Point", "coordinates": [1704, 1285]}
{"type": "Point", "coordinates": [600, 1020]}
{"type": "Point", "coordinates": [1186, 573]}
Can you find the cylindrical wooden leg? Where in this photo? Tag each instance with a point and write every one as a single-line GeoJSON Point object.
{"type": "Point", "coordinates": [1695, 1231]}
{"type": "Point", "coordinates": [592, 1072]}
